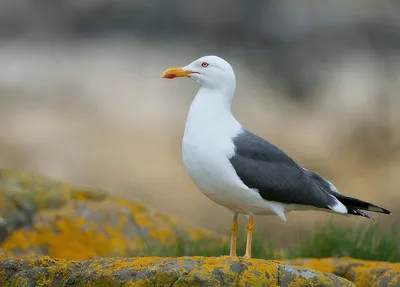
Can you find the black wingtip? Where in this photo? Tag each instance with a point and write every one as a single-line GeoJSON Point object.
{"type": "Point", "coordinates": [385, 211]}
{"type": "Point", "coordinates": [359, 213]}
{"type": "Point", "coordinates": [375, 208]}
{"type": "Point", "coordinates": [354, 203]}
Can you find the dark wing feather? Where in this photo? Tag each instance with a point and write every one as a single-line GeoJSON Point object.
{"type": "Point", "coordinates": [277, 177]}
{"type": "Point", "coordinates": [322, 181]}
{"type": "Point", "coordinates": [352, 204]}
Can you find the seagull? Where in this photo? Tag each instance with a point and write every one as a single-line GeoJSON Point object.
{"type": "Point", "coordinates": [240, 170]}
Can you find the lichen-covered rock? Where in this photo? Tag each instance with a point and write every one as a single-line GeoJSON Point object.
{"type": "Point", "coordinates": [3, 254]}
{"type": "Point", "coordinates": [84, 230]}
{"type": "Point", "coordinates": [75, 223]}
{"type": "Point", "coordinates": [157, 271]}
{"type": "Point", "coordinates": [36, 271]}
{"type": "Point", "coordinates": [23, 194]}
{"type": "Point", "coordinates": [362, 272]}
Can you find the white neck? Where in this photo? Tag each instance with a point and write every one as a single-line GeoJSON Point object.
{"type": "Point", "coordinates": [210, 111]}
{"type": "Point", "coordinates": [210, 103]}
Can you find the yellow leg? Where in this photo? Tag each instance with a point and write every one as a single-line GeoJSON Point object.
{"type": "Point", "coordinates": [234, 230]}
{"type": "Point", "coordinates": [250, 228]}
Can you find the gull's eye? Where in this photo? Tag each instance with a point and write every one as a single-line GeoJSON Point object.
{"type": "Point", "coordinates": [204, 64]}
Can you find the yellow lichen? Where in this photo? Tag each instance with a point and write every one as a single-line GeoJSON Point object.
{"type": "Point", "coordinates": [191, 271]}
{"type": "Point", "coordinates": [18, 281]}
{"type": "Point", "coordinates": [156, 228]}
{"type": "Point", "coordinates": [268, 271]}
{"type": "Point", "coordinates": [3, 254]}
{"type": "Point", "coordinates": [70, 239]}
{"type": "Point", "coordinates": [135, 208]}
{"type": "Point", "coordinates": [321, 265]}
{"type": "Point", "coordinates": [43, 279]}
{"type": "Point", "coordinates": [59, 231]}
{"type": "Point", "coordinates": [63, 233]}
{"type": "Point", "coordinates": [361, 272]}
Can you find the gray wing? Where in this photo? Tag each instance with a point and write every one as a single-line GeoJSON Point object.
{"type": "Point", "coordinates": [353, 205]}
{"type": "Point", "coordinates": [323, 181]}
{"type": "Point", "coordinates": [276, 176]}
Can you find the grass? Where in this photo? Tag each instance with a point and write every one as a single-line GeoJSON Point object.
{"type": "Point", "coordinates": [369, 243]}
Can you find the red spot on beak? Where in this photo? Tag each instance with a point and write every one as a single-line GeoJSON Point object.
{"type": "Point", "coordinates": [170, 76]}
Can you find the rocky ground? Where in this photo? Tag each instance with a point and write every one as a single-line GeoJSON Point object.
{"type": "Point", "coordinates": [195, 271]}
{"type": "Point", "coordinates": [361, 272]}
{"type": "Point", "coordinates": [156, 271]}
{"type": "Point", "coordinates": [57, 234]}
{"type": "Point", "coordinates": [42, 216]}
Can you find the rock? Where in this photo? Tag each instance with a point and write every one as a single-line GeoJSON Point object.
{"type": "Point", "coordinates": [24, 194]}
{"type": "Point", "coordinates": [3, 254]}
{"type": "Point", "coordinates": [361, 272]}
{"type": "Point", "coordinates": [36, 271]}
{"type": "Point", "coordinates": [157, 271]}
{"type": "Point", "coordinates": [69, 222]}
{"type": "Point", "coordinates": [112, 227]}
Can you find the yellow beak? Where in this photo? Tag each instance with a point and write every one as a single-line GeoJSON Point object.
{"type": "Point", "coordinates": [172, 73]}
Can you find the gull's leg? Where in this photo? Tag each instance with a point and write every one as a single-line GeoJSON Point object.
{"type": "Point", "coordinates": [250, 227]}
{"type": "Point", "coordinates": [234, 230]}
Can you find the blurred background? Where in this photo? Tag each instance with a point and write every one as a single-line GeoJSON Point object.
{"type": "Point", "coordinates": [82, 99]}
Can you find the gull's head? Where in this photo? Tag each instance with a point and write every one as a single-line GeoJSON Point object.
{"type": "Point", "coordinates": [208, 71]}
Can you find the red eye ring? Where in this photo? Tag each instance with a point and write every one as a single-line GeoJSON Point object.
{"type": "Point", "coordinates": [204, 64]}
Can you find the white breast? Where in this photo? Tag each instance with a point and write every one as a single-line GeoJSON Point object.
{"type": "Point", "coordinates": [206, 149]}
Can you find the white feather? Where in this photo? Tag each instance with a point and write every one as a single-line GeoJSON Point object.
{"type": "Point", "coordinates": [206, 149]}
{"type": "Point", "coordinates": [207, 145]}
{"type": "Point", "coordinates": [338, 207]}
